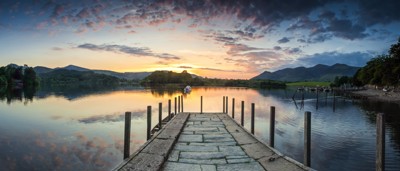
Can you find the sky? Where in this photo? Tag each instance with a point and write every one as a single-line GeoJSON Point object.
{"type": "Point", "coordinates": [212, 38]}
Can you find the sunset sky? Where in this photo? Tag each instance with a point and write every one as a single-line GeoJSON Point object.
{"type": "Point", "coordinates": [211, 38]}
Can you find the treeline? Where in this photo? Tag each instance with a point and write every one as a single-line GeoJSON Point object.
{"type": "Point", "coordinates": [169, 77]}
{"type": "Point", "coordinates": [383, 70]}
{"type": "Point", "coordinates": [342, 80]}
{"type": "Point", "coordinates": [15, 76]}
{"type": "Point", "coordinates": [63, 77]}
{"type": "Point", "coordinates": [184, 78]}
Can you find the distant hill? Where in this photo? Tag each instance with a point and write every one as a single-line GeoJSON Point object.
{"type": "Point", "coordinates": [40, 69]}
{"type": "Point", "coordinates": [74, 68]}
{"type": "Point", "coordinates": [317, 73]}
{"type": "Point", "coordinates": [63, 77]}
{"type": "Point", "coordinates": [125, 75]}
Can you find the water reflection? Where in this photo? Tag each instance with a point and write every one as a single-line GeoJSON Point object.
{"type": "Point", "coordinates": [22, 95]}
{"type": "Point", "coordinates": [82, 129]}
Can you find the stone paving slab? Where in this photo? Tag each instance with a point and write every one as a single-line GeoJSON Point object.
{"type": "Point", "coordinates": [253, 166]}
{"type": "Point", "coordinates": [190, 138]}
{"type": "Point", "coordinates": [182, 166]}
{"type": "Point", "coordinates": [201, 155]}
{"type": "Point", "coordinates": [193, 148]}
{"type": "Point", "coordinates": [203, 161]}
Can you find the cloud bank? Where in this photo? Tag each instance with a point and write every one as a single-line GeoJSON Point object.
{"type": "Point", "coordinates": [135, 51]}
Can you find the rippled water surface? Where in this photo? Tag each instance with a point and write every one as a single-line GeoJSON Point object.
{"type": "Point", "coordinates": [83, 129]}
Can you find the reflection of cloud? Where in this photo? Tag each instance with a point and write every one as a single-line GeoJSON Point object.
{"type": "Point", "coordinates": [58, 161]}
{"type": "Point", "coordinates": [117, 117]}
{"type": "Point", "coordinates": [81, 137]}
{"type": "Point", "coordinates": [40, 143]}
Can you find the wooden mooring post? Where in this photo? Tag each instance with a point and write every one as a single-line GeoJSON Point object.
{"type": "Point", "coordinates": [169, 109]}
{"type": "Point", "coordinates": [272, 127]}
{"type": "Point", "coordinates": [226, 105]}
{"type": "Point", "coordinates": [252, 118]}
{"type": "Point", "coordinates": [316, 106]}
{"type": "Point", "coordinates": [127, 138]}
{"type": "Point", "coordinates": [175, 106]}
{"type": "Point", "coordinates": [334, 101]}
{"type": "Point", "coordinates": [148, 122]}
{"type": "Point", "coordinates": [182, 102]}
{"type": "Point", "coordinates": [242, 118]}
{"type": "Point", "coordinates": [223, 104]}
{"type": "Point", "coordinates": [179, 104]}
{"type": "Point", "coordinates": [307, 139]}
{"type": "Point", "coordinates": [380, 142]}
{"type": "Point", "coordinates": [201, 104]}
{"type": "Point", "coordinates": [233, 108]}
{"type": "Point", "coordinates": [159, 116]}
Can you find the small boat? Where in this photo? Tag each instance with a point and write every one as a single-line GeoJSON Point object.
{"type": "Point", "coordinates": [187, 89]}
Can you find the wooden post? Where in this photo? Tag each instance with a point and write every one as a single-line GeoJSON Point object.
{"type": "Point", "coordinates": [242, 118]}
{"type": "Point", "coordinates": [169, 109]}
{"type": "Point", "coordinates": [175, 106]}
{"type": "Point", "coordinates": [334, 101]}
{"type": "Point", "coordinates": [317, 101]}
{"type": "Point", "coordinates": [272, 127]}
{"type": "Point", "coordinates": [223, 104]}
{"type": "Point", "coordinates": [182, 103]}
{"type": "Point", "coordinates": [148, 122]}
{"type": "Point", "coordinates": [179, 104]}
{"type": "Point", "coordinates": [127, 138]}
{"type": "Point", "coordinates": [159, 115]}
{"type": "Point", "coordinates": [307, 139]}
{"type": "Point", "coordinates": [380, 142]}
{"type": "Point", "coordinates": [252, 118]}
{"type": "Point", "coordinates": [201, 104]}
{"type": "Point", "coordinates": [233, 108]}
{"type": "Point", "coordinates": [226, 105]}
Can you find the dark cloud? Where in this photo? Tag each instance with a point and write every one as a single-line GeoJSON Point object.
{"type": "Point", "coordinates": [330, 58]}
{"type": "Point", "coordinates": [136, 51]}
{"type": "Point", "coordinates": [329, 25]}
{"type": "Point", "coordinates": [83, 14]}
{"type": "Point", "coordinates": [185, 67]}
{"type": "Point", "coordinates": [284, 40]}
{"type": "Point", "coordinates": [378, 12]}
{"type": "Point", "coordinates": [259, 60]}
{"type": "Point", "coordinates": [237, 49]}
{"type": "Point", "coordinates": [343, 19]}
{"type": "Point", "coordinates": [346, 29]}
{"type": "Point", "coordinates": [216, 69]}
{"type": "Point", "coordinates": [231, 37]}
{"type": "Point", "coordinates": [277, 48]}
{"type": "Point", "coordinates": [292, 51]}
{"type": "Point", "coordinates": [57, 49]}
{"type": "Point", "coordinates": [58, 10]}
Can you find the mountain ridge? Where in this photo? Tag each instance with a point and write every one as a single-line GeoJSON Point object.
{"type": "Point", "coordinates": [319, 72]}
{"type": "Point", "coordinates": [121, 75]}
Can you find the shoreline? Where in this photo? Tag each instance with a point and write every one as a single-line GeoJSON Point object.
{"type": "Point", "coordinates": [379, 95]}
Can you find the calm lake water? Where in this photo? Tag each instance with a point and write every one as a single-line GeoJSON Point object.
{"type": "Point", "coordinates": [79, 129]}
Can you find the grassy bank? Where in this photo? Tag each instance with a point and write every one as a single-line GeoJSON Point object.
{"type": "Point", "coordinates": [309, 84]}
